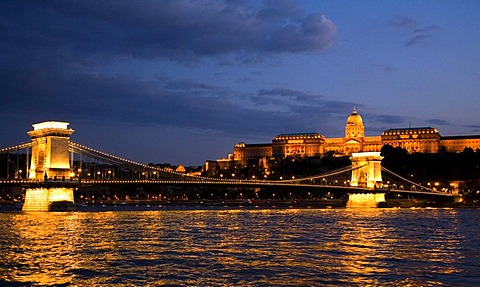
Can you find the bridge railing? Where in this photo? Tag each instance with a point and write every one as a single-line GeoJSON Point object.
{"type": "Point", "coordinates": [16, 147]}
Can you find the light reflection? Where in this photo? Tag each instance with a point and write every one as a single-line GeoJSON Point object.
{"type": "Point", "coordinates": [45, 248]}
{"type": "Point", "coordinates": [346, 247]}
{"type": "Point", "coordinates": [365, 199]}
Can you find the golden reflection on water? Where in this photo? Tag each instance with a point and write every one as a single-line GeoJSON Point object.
{"type": "Point", "coordinates": [44, 246]}
{"type": "Point", "coordinates": [373, 248]}
{"type": "Point", "coordinates": [293, 247]}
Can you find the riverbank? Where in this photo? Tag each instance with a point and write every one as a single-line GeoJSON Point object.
{"type": "Point", "coordinates": [270, 203]}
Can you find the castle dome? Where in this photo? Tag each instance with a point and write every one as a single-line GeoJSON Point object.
{"type": "Point", "coordinates": [354, 118]}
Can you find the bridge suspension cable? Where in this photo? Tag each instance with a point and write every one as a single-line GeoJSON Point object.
{"type": "Point", "coordinates": [323, 175]}
{"type": "Point", "coordinates": [407, 180]}
{"type": "Point", "coordinates": [112, 159]}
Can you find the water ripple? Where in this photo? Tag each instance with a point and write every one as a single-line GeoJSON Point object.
{"type": "Point", "coordinates": [344, 247]}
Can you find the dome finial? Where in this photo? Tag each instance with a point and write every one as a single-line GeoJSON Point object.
{"type": "Point", "coordinates": [354, 110]}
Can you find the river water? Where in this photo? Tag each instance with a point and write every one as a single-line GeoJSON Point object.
{"type": "Point", "coordinates": [241, 247]}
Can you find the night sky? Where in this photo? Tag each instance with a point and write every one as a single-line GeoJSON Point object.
{"type": "Point", "coordinates": [182, 82]}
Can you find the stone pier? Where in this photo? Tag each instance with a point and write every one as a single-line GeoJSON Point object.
{"type": "Point", "coordinates": [367, 173]}
{"type": "Point", "coordinates": [49, 162]}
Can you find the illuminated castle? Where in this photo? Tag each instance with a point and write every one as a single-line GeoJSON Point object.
{"type": "Point", "coordinates": [422, 140]}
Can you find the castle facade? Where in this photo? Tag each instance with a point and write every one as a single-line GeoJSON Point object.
{"type": "Point", "coordinates": [422, 140]}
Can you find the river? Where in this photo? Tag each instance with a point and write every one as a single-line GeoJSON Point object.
{"type": "Point", "coordinates": [241, 247]}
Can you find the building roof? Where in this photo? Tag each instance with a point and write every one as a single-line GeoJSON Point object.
{"type": "Point", "coordinates": [410, 129]}
{"type": "Point", "coordinates": [465, 137]}
{"type": "Point", "coordinates": [414, 130]}
{"type": "Point", "coordinates": [355, 118]}
{"type": "Point", "coordinates": [298, 134]}
{"type": "Point", "coordinates": [242, 144]}
{"type": "Point", "coordinates": [258, 145]}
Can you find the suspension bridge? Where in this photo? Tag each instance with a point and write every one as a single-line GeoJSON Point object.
{"type": "Point", "coordinates": [50, 159]}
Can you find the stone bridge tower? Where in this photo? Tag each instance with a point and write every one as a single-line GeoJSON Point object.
{"type": "Point", "coordinates": [367, 169]}
{"type": "Point", "coordinates": [50, 155]}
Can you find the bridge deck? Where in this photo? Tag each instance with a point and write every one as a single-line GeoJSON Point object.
{"type": "Point", "coordinates": [224, 182]}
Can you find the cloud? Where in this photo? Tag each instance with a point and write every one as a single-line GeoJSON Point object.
{"type": "Point", "coordinates": [416, 36]}
{"type": "Point", "coordinates": [388, 119]}
{"type": "Point", "coordinates": [293, 110]}
{"type": "Point", "coordinates": [285, 93]}
{"type": "Point", "coordinates": [401, 21]}
{"type": "Point", "coordinates": [438, 122]}
{"type": "Point", "coordinates": [417, 40]}
{"type": "Point", "coordinates": [178, 29]}
{"type": "Point", "coordinates": [193, 87]}
{"type": "Point", "coordinates": [428, 29]}
{"type": "Point", "coordinates": [59, 59]}
{"type": "Point", "coordinates": [474, 128]}
{"type": "Point", "coordinates": [124, 100]}
{"type": "Point", "coordinates": [243, 80]}
{"type": "Point", "coordinates": [385, 68]}
{"type": "Point", "coordinates": [284, 99]}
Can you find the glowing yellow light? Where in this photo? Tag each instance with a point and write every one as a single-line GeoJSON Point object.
{"type": "Point", "coordinates": [39, 199]}
{"type": "Point", "coordinates": [51, 125]}
{"type": "Point", "coordinates": [365, 200]}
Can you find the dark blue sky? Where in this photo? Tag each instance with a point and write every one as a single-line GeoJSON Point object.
{"type": "Point", "coordinates": [184, 81]}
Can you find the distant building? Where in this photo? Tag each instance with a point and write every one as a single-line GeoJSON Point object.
{"type": "Point", "coordinates": [424, 140]}
{"type": "Point", "coordinates": [459, 143]}
{"type": "Point", "coordinates": [243, 151]}
{"type": "Point", "coordinates": [181, 169]}
{"type": "Point", "coordinates": [421, 140]}
{"type": "Point", "coordinates": [304, 145]}
{"type": "Point", "coordinates": [354, 139]}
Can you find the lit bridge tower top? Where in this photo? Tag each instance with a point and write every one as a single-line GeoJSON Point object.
{"type": "Point", "coordinates": [50, 155]}
{"type": "Point", "coordinates": [366, 169]}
